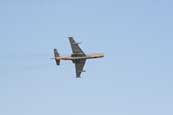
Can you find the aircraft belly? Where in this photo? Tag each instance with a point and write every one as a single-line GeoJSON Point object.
{"type": "Point", "coordinates": [73, 58]}
{"type": "Point", "coordinates": [66, 58]}
{"type": "Point", "coordinates": [78, 58]}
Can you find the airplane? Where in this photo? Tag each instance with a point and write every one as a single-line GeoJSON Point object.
{"type": "Point", "coordinates": [78, 57]}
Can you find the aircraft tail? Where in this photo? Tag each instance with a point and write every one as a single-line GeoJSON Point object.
{"type": "Point", "coordinates": [56, 54]}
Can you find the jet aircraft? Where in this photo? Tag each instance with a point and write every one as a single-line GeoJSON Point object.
{"type": "Point", "coordinates": [78, 57]}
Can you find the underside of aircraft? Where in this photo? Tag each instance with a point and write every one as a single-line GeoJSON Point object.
{"type": "Point", "coordinates": [78, 57]}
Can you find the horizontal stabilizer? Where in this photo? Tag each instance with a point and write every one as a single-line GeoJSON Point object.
{"type": "Point", "coordinates": [56, 54]}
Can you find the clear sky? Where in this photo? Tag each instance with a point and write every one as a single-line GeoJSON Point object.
{"type": "Point", "coordinates": [134, 78]}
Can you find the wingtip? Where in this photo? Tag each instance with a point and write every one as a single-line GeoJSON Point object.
{"type": "Point", "coordinates": [70, 37]}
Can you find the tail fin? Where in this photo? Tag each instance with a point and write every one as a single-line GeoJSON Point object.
{"type": "Point", "coordinates": [56, 54]}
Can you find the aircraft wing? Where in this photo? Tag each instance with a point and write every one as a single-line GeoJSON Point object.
{"type": "Point", "coordinates": [75, 47]}
{"type": "Point", "coordinates": [79, 67]}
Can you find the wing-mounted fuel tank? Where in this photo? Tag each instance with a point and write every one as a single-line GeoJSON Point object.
{"type": "Point", "coordinates": [56, 55]}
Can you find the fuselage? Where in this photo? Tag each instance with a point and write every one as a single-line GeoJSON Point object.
{"type": "Point", "coordinates": [73, 57]}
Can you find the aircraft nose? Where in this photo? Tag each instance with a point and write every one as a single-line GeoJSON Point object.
{"type": "Point", "coordinates": [102, 55]}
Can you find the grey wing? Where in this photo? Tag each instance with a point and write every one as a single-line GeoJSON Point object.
{"type": "Point", "coordinates": [79, 67]}
{"type": "Point", "coordinates": [75, 47]}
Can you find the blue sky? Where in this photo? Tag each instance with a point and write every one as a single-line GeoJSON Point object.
{"type": "Point", "coordinates": [134, 78]}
